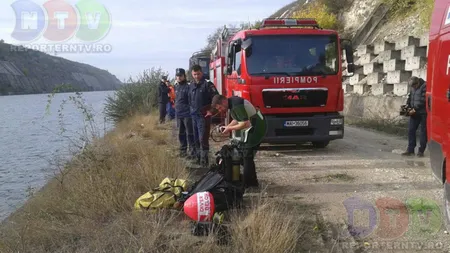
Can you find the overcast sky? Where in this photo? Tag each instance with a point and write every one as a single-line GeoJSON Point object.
{"type": "Point", "coordinates": [153, 33]}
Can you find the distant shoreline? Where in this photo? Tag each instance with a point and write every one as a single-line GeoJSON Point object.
{"type": "Point", "coordinates": [44, 93]}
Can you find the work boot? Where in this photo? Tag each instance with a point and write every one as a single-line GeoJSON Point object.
{"type": "Point", "coordinates": [420, 154]}
{"type": "Point", "coordinates": [407, 153]}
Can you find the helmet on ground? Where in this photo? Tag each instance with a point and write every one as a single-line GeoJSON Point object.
{"type": "Point", "coordinates": [200, 207]}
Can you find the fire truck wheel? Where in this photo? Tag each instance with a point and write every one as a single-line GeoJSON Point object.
{"type": "Point", "coordinates": [320, 144]}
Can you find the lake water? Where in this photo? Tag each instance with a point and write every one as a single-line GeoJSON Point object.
{"type": "Point", "coordinates": [31, 142]}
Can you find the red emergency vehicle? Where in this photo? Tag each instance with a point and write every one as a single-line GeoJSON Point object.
{"type": "Point", "coordinates": [438, 97]}
{"type": "Point", "coordinates": [290, 69]}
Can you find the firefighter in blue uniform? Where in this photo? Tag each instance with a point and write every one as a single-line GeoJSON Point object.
{"type": "Point", "coordinates": [201, 92]}
{"type": "Point", "coordinates": [163, 99]}
{"type": "Point", "coordinates": [182, 110]}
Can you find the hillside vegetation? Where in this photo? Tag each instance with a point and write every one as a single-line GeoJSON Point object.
{"type": "Point", "coordinates": [30, 71]}
{"type": "Point", "coordinates": [405, 17]}
{"type": "Point", "coordinates": [402, 8]}
{"type": "Point", "coordinates": [322, 12]}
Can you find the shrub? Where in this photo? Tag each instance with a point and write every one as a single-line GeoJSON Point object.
{"type": "Point", "coordinates": [320, 12]}
{"type": "Point", "coordinates": [138, 96]}
{"type": "Point", "coordinates": [401, 8]}
{"type": "Point", "coordinates": [336, 6]}
{"type": "Point", "coordinates": [425, 9]}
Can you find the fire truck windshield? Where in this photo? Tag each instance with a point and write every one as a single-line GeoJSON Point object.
{"type": "Point", "coordinates": [293, 55]}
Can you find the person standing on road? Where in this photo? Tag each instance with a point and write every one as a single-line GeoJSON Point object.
{"type": "Point", "coordinates": [201, 92]}
{"type": "Point", "coordinates": [417, 116]}
{"type": "Point", "coordinates": [245, 118]}
{"type": "Point", "coordinates": [184, 119]}
{"type": "Point", "coordinates": [163, 99]}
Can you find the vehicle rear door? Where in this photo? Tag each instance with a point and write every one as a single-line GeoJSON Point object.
{"type": "Point", "coordinates": [441, 84]}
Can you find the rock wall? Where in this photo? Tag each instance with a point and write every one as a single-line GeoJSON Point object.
{"type": "Point", "coordinates": [357, 14]}
{"type": "Point", "coordinates": [29, 72]}
{"type": "Point", "coordinates": [382, 70]}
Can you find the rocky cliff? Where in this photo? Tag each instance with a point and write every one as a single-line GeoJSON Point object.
{"type": "Point", "coordinates": [366, 21]}
{"type": "Point", "coordinates": [29, 72]}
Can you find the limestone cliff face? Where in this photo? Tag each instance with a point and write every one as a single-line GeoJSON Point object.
{"type": "Point", "coordinates": [30, 72]}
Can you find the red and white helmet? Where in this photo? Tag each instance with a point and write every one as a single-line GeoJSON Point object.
{"type": "Point", "coordinates": [200, 207]}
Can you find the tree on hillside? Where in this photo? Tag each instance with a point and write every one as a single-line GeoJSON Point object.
{"type": "Point", "coordinates": [211, 40]}
{"type": "Point", "coordinates": [250, 25]}
{"type": "Point", "coordinates": [320, 12]}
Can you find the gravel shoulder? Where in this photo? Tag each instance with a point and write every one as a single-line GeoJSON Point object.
{"type": "Point", "coordinates": [362, 170]}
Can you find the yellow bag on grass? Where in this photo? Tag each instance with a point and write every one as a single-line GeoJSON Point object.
{"type": "Point", "coordinates": [164, 196]}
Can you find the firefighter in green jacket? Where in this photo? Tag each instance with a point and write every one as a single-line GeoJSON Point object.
{"type": "Point", "coordinates": [252, 125]}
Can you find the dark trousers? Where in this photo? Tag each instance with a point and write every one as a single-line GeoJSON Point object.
{"type": "Point", "coordinates": [202, 128]}
{"type": "Point", "coordinates": [170, 111]}
{"type": "Point", "coordinates": [162, 113]}
{"type": "Point", "coordinates": [417, 122]}
{"type": "Point", "coordinates": [250, 178]}
{"type": "Point", "coordinates": [255, 136]}
{"type": "Point", "coordinates": [186, 135]}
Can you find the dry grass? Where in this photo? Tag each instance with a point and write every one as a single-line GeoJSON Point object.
{"type": "Point", "coordinates": [88, 207]}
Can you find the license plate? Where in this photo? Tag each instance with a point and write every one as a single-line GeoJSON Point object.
{"type": "Point", "coordinates": [296, 123]}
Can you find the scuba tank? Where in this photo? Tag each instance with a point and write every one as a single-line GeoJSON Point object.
{"type": "Point", "coordinates": [236, 162]}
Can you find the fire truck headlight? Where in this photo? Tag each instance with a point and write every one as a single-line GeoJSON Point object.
{"type": "Point", "coordinates": [335, 122]}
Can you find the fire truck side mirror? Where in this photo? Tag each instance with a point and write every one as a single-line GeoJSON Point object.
{"type": "Point", "coordinates": [349, 57]}
{"type": "Point", "coordinates": [229, 62]}
{"type": "Point", "coordinates": [348, 48]}
{"type": "Point", "coordinates": [246, 44]}
{"type": "Point", "coordinates": [229, 70]}
{"type": "Point", "coordinates": [230, 58]}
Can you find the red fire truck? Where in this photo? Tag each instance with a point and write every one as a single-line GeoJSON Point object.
{"type": "Point", "coordinates": [438, 97]}
{"type": "Point", "coordinates": [290, 69]}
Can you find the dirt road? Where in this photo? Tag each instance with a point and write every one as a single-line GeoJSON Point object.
{"type": "Point", "coordinates": [397, 201]}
